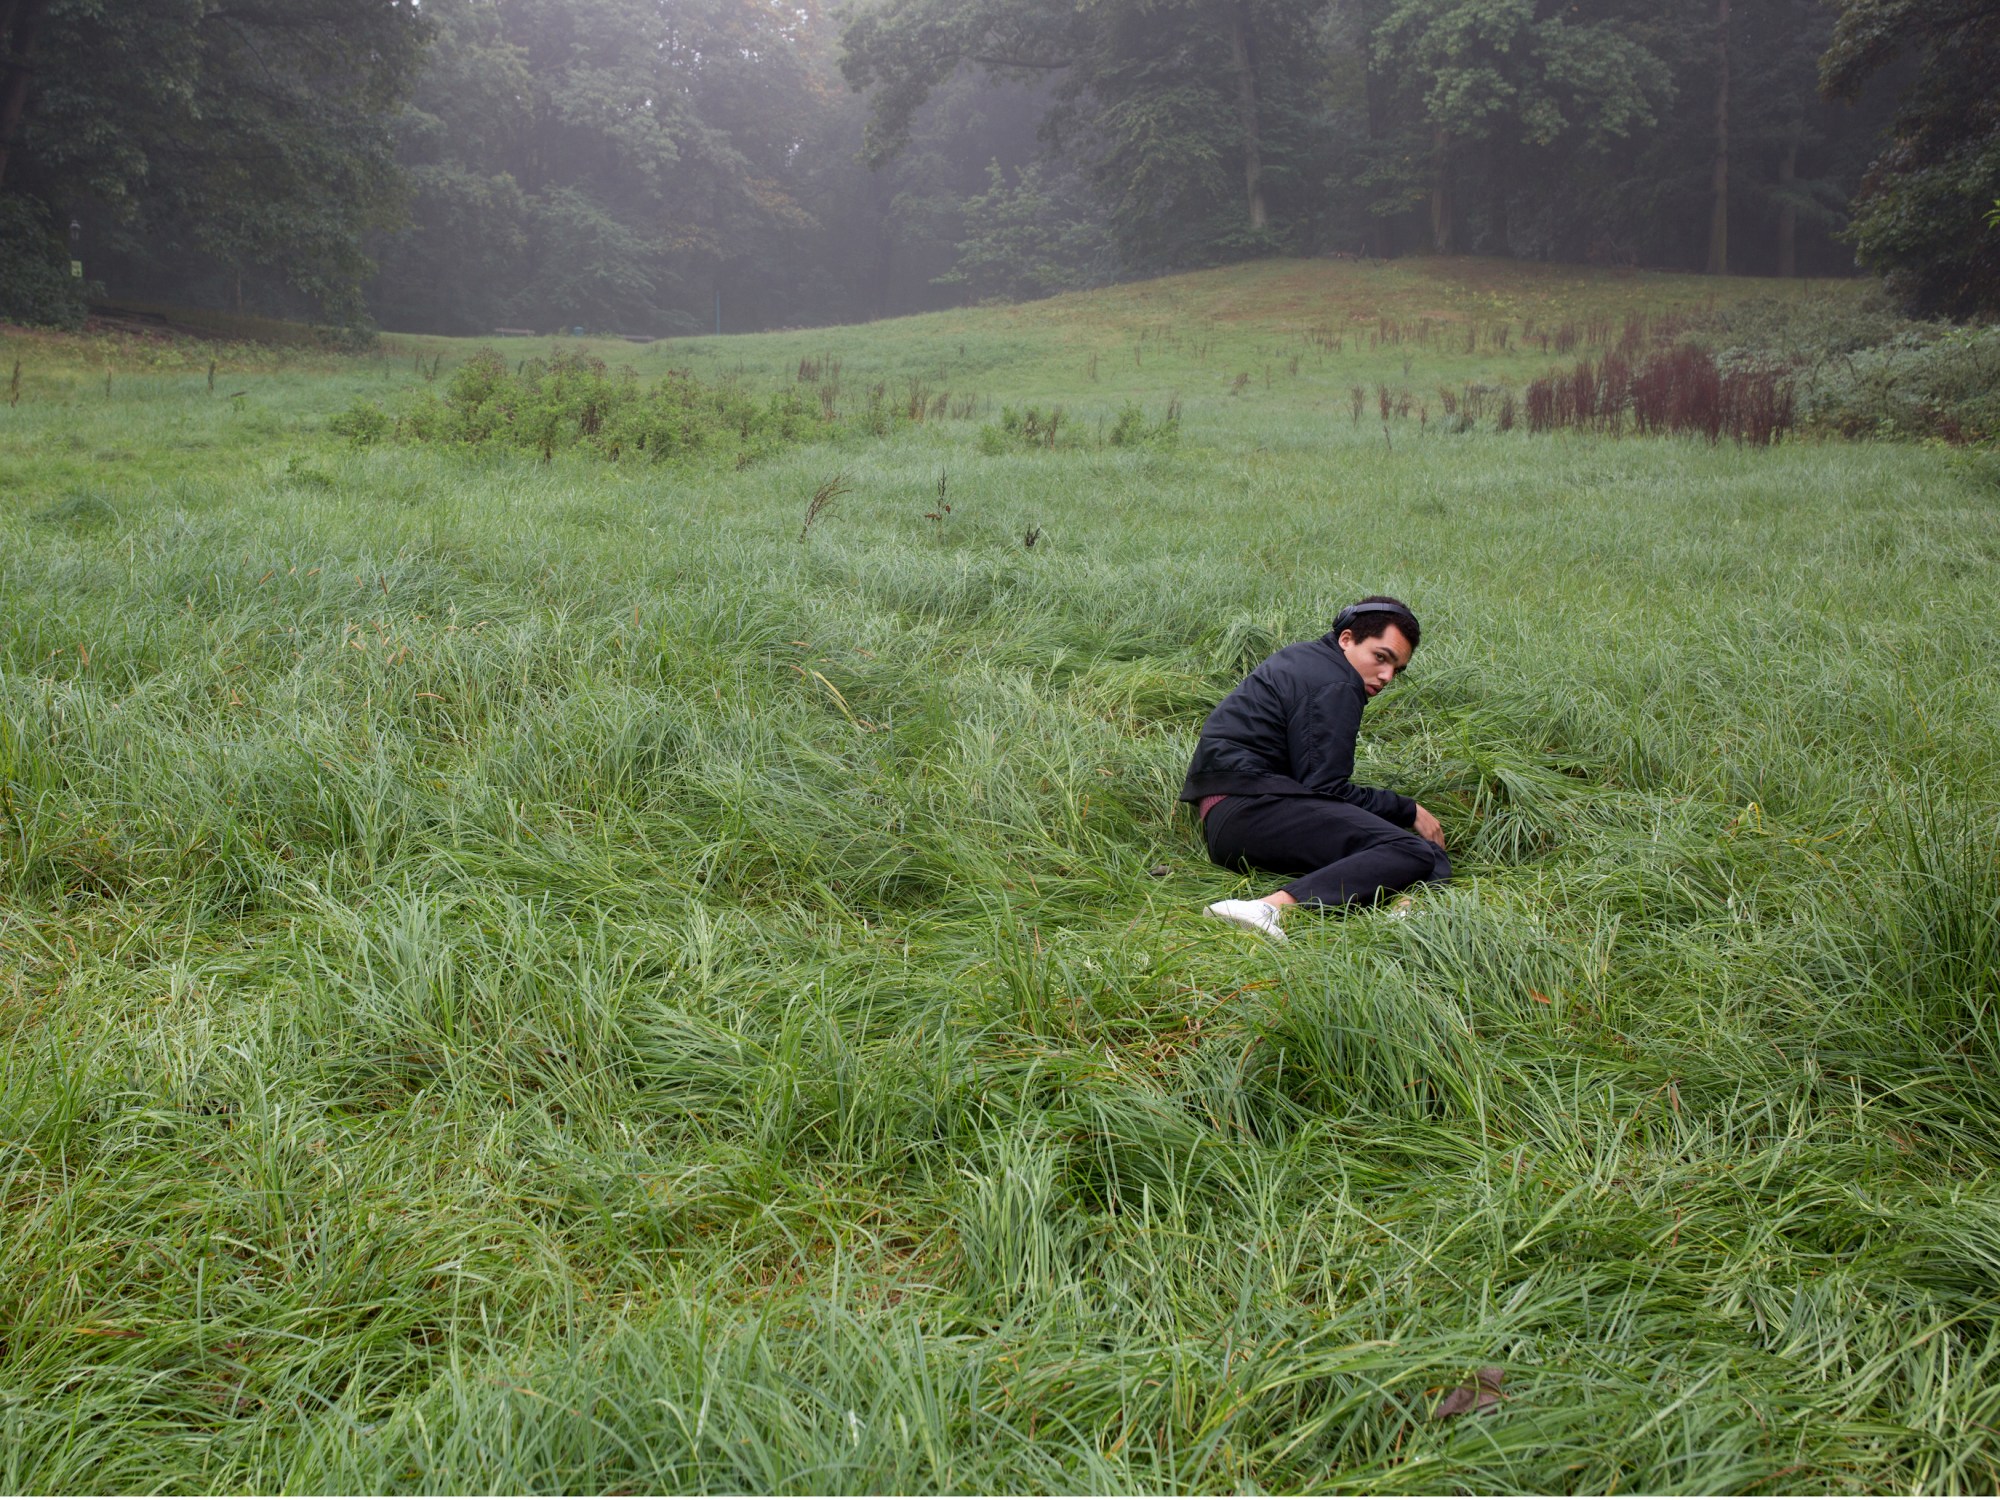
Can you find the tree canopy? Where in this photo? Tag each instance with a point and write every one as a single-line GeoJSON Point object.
{"type": "Point", "coordinates": [661, 166]}
{"type": "Point", "coordinates": [203, 140]}
{"type": "Point", "coordinates": [1596, 129]}
{"type": "Point", "coordinates": [1920, 216]}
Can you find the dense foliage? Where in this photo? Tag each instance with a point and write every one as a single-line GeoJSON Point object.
{"type": "Point", "coordinates": [35, 281]}
{"type": "Point", "coordinates": [203, 144]}
{"type": "Point", "coordinates": [611, 163]}
{"type": "Point", "coordinates": [1923, 212]}
{"type": "Point", "coordinates": [665, 167]}
{"type": "Point", "coordinates": [575, 400]}
{"type": "Point", "coordinates": [1604, 130]}
{"type": "Point", "coordinates": [709, 176]}
{"type": "Point", "coordinates": [1863, 370]}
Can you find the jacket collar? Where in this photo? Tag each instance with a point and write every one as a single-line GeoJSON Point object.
{"type": "Point", "coordinates": [1331, 640]}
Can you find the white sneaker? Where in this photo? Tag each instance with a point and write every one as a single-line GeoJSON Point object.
{"type": "Point", "coordinates": [1258, 916]}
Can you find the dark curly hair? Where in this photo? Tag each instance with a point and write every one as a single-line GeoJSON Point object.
{"type": "Point", "coordinates": [1370, 617]}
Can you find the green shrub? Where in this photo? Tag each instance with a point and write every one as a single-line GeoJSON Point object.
{"type": "Point", "coordinates": [574, 401]}
{"type": "Point", "coordinates": [364, 423]}
{"type": "Point", "coordinates": [345, 338]}
{"type": "Point", "coordinates": [1802, 329]}
{"type": "Point", "coordinates": [35, 283]}
{"type": "Point", "coordinates": [1863, 370]}
{"type": "Point", "coordinates": [1930, 380]}
{"type": "Point", "coordinates": [1033, 427]}
{"type": "Point", "coordinates": [1131, 429]}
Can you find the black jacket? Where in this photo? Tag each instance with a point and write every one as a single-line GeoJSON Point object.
{"type": "Point", "coordinates": [1288, 730]}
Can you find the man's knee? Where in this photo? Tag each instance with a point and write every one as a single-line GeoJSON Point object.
{"type": "Point", "coordinates": [1415, 860]}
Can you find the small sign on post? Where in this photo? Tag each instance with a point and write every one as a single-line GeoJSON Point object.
{"type": "Point", "coordinates": [76, 269]}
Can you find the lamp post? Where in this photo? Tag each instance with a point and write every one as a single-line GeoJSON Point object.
{"type": "Point", "coordinates": [75, 244]}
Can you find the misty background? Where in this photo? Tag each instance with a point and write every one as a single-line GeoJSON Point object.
{"type": "Point", "coordinates": [657, 167]}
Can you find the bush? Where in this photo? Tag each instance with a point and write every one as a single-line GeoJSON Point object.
{"type": "Point", "coordinates": [35, 284]}
{"type": "Point", "coordinates": [364, 423]}
{"type": "Point", "coordinates": [1863, 370]}
{"type": "Point", "coordinates": [1799, 330]}
{"type": "Point", "coordinates": [346, 338]}
{"type": "Point", "coordinates": [575, 401]}
{"type": "Point", "coordinates": [1132, 429]}
{"type": "Point", "coordinates": [1032, 427]}
{"type": "Point", "coordinates": [1931, 380]}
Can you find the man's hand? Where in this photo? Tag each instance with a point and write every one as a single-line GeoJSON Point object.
{"type": "Point", "coordinates": [1428, 827]}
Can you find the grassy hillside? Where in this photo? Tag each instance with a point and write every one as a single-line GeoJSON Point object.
{"type": "Point", "coordinates": [526, 975]}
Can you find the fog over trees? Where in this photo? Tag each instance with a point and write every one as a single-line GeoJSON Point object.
{"type": "Point", "coordinates": [654, 166]}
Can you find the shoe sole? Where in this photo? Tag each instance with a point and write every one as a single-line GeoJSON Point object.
{"type": "Point", "coordinates": [1276, 935]}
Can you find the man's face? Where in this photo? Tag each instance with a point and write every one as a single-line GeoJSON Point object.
{"type": "Point", "coordinates": [1379, 658]}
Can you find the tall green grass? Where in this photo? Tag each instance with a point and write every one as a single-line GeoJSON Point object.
{"type": "Point", "coordinates": [528, 975]}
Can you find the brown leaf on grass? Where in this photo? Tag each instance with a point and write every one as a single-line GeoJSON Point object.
{"type": "Point", "coordinates": [1484, 1396]}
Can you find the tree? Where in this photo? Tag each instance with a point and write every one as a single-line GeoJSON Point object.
{"type": "Point", "coordinates": [1782, 126]}
{"type": "Point", "coordinates": [453, 263]}
{"type": "Point", "coordinates": [1030, 239]}
{"type": "Point", "coordinates": [1188, 116]}
{"type": "Point", "coordinates": [227, 135]}
{"type": "Point", "coordinates": [614, 163]}
{"type": "Point", "coordinates": [1718, 214]}
{"type": "Point", "coordinates": [931, 215]}
{"type": "Point", "coordinates": [20, 30]}
{"type": "Point", "coordinates": [1522, 90]}
{"type": "Point", "coordinates": [1918, 216]}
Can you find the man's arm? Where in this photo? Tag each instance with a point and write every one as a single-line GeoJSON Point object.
{"type": "Point", "coordinates": [1320, 731]}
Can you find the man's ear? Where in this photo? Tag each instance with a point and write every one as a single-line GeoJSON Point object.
{"type": "Point", "coordinates": [1344, 639]}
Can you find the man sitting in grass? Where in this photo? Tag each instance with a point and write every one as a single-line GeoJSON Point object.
{"type": "Point", "coordinates": [1270, 775]}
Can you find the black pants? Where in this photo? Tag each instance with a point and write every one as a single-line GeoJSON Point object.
{"type": "Point", "coordinates": [1343, 855]}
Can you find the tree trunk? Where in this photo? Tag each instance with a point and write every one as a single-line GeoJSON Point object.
{"type": "Point", "coordinates": [1441, 235]}
{"type": "Point", "coordinates": [23, 17]}
{"type": "Point", "coordinates": [1788, 214]}
{"type": "Point", "coordinates": [885, 247]}
{"type": "Point", "coordinates": [1381, 234]}
{"type": "Point", "coordinates": [1496, 200]}
{"type": "Point", "coordinates": [1244, 60]}
{"type": "Point", "coordinates": [1718, 216]}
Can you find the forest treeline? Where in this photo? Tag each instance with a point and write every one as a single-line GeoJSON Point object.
{"type": "Point", "coordinates": [667, 166]}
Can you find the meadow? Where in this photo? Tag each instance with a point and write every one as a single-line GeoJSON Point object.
{"type": "Point", "coordinates": [529, 974]}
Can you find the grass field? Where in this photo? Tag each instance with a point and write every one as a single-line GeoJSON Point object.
{"type": "Point", "coordinates": [532, 976]}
